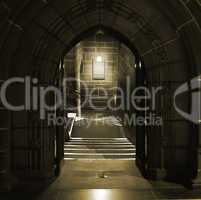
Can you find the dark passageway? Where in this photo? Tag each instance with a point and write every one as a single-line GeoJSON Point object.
{"type": "Point", "coordinates": [100, 99]}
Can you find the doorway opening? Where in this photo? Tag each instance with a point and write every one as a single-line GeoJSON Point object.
{"type": "Point", "coordinates": [98, 71]}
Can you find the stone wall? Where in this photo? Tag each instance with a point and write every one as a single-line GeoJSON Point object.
{"type": "Point", "coordinates": [108, 49]}
{"type": "Point", "coordinates": [119, 63]}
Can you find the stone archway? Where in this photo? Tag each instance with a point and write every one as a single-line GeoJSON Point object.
{"type": "Point", "coordinates": [35, 36]}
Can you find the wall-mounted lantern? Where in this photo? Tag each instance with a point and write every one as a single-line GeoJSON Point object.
{"type": "Point", "coordinates": [98, 69]}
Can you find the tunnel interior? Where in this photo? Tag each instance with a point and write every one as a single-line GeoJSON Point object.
{"type": "Point", "coordinates": [163, 36]}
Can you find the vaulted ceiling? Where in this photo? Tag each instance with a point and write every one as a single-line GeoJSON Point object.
{"type": "Point", "coordinates": [35, 34]}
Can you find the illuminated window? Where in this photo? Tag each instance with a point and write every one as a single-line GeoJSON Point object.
{"type": "Point", "coordinates": [98, 68]}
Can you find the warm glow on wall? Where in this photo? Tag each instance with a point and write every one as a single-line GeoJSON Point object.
{"type": "Point", "coordinates": [99, 59]}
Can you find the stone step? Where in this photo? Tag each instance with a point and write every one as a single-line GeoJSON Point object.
{"type": "Point", "coordinates": [98, 146]}
{"type": "Point", "coordinates": [97, 156]}
{"type": "Point", "coordinates": [98, 139]}
{"type": "Point", "coordinates": [113, 151]}
{"type": "Point", "coordinates": [98, 143]}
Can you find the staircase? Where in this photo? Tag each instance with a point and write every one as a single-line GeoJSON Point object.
{"type": "Point", "coordinates": [99, 149]}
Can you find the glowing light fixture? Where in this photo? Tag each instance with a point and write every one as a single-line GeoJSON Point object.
{"type": "Point", "coordinates": [140, 65]}
{"type": "Point", "coordinates": [99, 59]}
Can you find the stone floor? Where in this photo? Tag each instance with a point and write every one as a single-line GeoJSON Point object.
{"type": "Point", "coordinates": [103, 180]}
{"type": "Point", "coordinates": [109, 179]}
